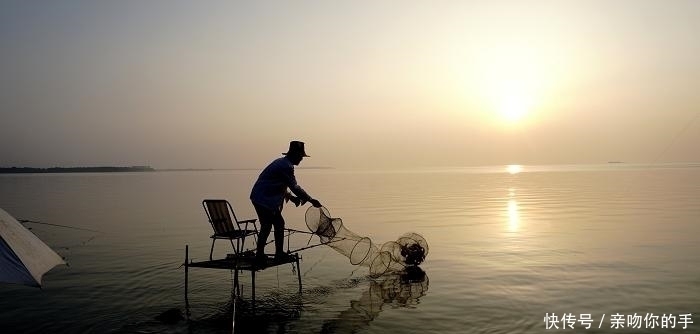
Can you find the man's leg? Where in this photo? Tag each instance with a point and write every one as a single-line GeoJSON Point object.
{"type": "Point", "coordinates": [266, 221]}
{"type": "Point", "coordinates": [279, 234]}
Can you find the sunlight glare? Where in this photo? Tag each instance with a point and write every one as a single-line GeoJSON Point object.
{"type": "Point", "coordinates": [513, 101]}
{"type": "Point", "coordinates": [512, 80]}
{"type": "Point", "coordinates": [514, 169]}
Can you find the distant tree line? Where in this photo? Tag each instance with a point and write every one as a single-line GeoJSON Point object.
{"type": "Point", "coordinates": [105, 169]}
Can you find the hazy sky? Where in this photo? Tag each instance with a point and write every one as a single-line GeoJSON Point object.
{"type": "Point", "coordinates": [227, 84]}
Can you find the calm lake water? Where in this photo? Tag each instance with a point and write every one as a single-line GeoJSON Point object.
{"type": "Point", "coordinates": [505, 250]}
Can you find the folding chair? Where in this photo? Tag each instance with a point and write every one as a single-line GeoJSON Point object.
{"type": "Point", "coordinates": [226, 226]}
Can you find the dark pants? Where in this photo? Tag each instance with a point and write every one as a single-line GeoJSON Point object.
{"type": "Point", "coordinates": [268, 218]}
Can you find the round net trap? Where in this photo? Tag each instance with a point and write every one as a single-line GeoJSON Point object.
{"type": "Point", "coordinates": [408, 250]}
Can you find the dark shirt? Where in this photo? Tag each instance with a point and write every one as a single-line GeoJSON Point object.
{"type": "Point", "coordinates": [271, 187]}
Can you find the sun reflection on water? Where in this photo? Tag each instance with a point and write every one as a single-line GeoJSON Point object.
{"type": "Point", "coordinates": [513, 216]}
{"type": "Point", "coordinates": [513, 213]}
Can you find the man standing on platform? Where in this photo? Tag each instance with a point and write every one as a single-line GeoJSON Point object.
{"type": "Point", "coordinates": [269, 193]}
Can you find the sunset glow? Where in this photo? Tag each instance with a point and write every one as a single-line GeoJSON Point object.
{"type": "Point", "coordinates": [515, 79]}
{"type": "Point", "coordinates": [514, 169]}
{"type": "Point", "coordinates": [534, 80]}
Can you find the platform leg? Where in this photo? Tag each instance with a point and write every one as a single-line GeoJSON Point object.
{"type": "Point", "coordinates": [252, 286]}
{"type": "Point", "coordinates": [298, 273]}
{"type": "Point", "coordinates": [236, 288]}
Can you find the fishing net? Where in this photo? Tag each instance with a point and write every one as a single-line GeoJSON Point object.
{"type": "Point", "coordinates": [408, 250]}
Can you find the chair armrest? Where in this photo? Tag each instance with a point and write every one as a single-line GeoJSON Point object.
{"type": "Point", "coordinates": [248, 221]}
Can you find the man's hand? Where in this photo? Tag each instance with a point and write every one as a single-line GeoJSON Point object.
{"type": "Point", "coordinates": [315, 203]}
{"type": "Point", "coordinates": [289, 197]}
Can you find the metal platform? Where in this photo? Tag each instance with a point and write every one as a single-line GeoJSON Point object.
{"type": "Point", "coordinates": [241, 262]}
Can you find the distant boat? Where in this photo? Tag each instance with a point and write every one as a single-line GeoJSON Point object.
{"type": "Point", "coordinates": [615, 162]}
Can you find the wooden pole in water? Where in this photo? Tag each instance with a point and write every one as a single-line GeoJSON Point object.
{"type": "Point", "coordinates": [187, 251]}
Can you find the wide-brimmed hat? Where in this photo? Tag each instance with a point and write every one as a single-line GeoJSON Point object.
{"type": "Point", "coordinates": [296, 147]}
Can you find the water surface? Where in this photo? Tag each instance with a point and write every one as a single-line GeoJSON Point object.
{"type": "Point", "coordinates": [505, 249]}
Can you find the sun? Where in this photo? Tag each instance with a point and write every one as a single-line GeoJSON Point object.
{"type": "Point", "coordinates": [512, 81]}
{"type": "Point", "coordinates": [513, 103]}
{"type": "Point", "coordinates": [512, 93]}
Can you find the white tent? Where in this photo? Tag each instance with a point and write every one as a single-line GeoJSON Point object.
{"type": "Point", "coordinates": [24, 259]}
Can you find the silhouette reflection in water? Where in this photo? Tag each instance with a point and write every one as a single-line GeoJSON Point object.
{"type": "Point", "coordinates": [402, 289]}
{"type": "Point", "coordinates": [281, 312]}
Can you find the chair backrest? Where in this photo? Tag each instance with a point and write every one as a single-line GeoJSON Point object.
{"type": "Point", "coordinates": [220, 215]}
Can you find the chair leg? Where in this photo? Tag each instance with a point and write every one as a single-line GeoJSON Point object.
{"type": "Point", "coordinates": [235, 250]}
{"type": "Point", "coordinates": [211, 252]}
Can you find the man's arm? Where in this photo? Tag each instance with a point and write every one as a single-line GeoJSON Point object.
{"type": "Point", "coordinates": [291, 183]}
{"type": "Point", "coordinates": [297, 189]}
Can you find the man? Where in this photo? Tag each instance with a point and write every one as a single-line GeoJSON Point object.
{"type": "Point", "coordinates": [270, 192]}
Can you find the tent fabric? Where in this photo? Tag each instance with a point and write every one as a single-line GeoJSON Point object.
{"type": "Point", "coordinates": [11, 267]}
{"type": "Point", "coordinates": [24, 258]}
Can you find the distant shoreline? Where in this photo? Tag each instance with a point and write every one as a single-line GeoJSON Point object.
{"type": "Point", "coordinates": [223, 169]}
{"type": "Point", "coordinates": [103, 169]}
{"type": "Point", "coordinates": [116, 169]}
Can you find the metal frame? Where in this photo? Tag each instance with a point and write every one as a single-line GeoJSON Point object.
{"type": "Point", "coordinates": [237, 264]}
